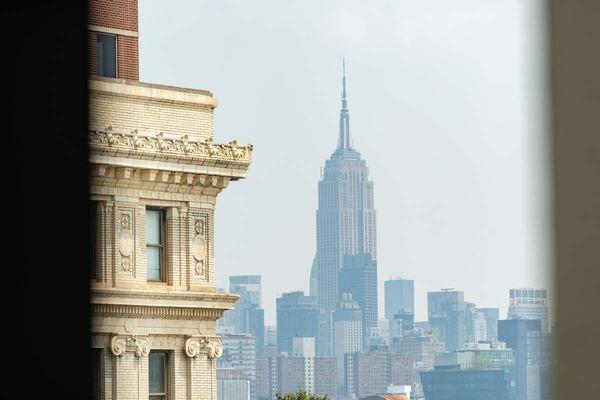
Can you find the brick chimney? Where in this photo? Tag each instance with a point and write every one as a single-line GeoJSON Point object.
{"type": "Point", "coordinates": [113, 38]}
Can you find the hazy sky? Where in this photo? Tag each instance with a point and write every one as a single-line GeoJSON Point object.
{"type": "Point", "coordinates": [446, 105]}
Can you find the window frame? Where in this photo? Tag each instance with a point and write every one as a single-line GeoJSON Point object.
{"type": "Point", "coordinates": [98, 34]}
{"type": "Point", "coordinates": [162, 246]}
{"type": "Point", "coordinates": [95, 374]}
{"type": "Point", "coordinates": [166, 372]}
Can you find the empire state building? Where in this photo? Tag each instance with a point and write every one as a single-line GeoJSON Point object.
{"type": "Point", "coordinates": [345, 218]}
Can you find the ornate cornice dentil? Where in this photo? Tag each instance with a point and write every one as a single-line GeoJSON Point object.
{"type": "Point", "coordinates": [209, 345]}
{"type": "Point", "coordinates": [156, 312]}
{"type": "Point", "coordinates": [138, 344]}
{"type": "Point", "coordinates": [183, 147]}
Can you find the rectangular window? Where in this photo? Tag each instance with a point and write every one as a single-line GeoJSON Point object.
{"type": "Point", "coordinates": [157, 375]}
{"type": "Point", "coordinates": [107, 55]}
{"type": "Point", "coordinates": [95, 375]}
{"type": "Point", "coordinates": [155, 244]}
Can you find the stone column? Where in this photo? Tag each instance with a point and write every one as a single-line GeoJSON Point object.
{"type": "Point", "coordinates": [130, 367]}
{"type": "Point", "coordinates": [203, 352]}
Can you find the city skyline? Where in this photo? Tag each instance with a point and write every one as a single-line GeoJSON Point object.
{"type": "Point", "coordinates": [450, 169]}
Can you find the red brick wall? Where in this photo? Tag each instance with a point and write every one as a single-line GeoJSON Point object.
{"type": "Point", "coordinates": [116, 14]}
{"type": "Point", "coordinates": [127, 57]}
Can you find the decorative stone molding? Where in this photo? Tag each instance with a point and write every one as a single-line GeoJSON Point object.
{"type": "Point", "coordinates": [148, 312]}
{"type": "Point", "coordinates": [200, 245]}
{"type": "Point", "coordinates": [125, 241]}
{"type": "Point", "coordinates": [134, 142]}
{"type": "Point", "coordinates": [210, 345]}
{"type": "Point", "coordinates": [138, 344]}
{"type": "Point", "coordinates": [148, 180]}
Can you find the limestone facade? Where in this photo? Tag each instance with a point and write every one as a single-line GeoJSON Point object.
{"type": "Point", "coordinates": [151, 146]}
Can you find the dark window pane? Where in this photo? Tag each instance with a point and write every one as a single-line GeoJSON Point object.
{"type": "Point", "coordinates": [107, 55]}
{"type": "Point", "coordinates": [95, 374]}
{"type": "Point", "coordinates": [156, 372]}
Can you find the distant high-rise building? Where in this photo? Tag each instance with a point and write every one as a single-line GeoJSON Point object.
{"type": "Point", "coordinates": [345, 216]}
{"type": "Point", "coordinates": [370, 373]}
{"type": "Point", "coordinates": [548, 361]}
{"type": "Point", "coordinates": [358, 277]}
{"type": "Point", "coordinates": [415, 353]}
{"type": "Point", "coordinates": [302, 370]}
{"type": "Point", "coordinates": [239, 352]}
{"type": "Point", "coordinates": [290, 375]}
{"type": "Point", "coordinates": [476, 328]}
{"type": "Point", "coordinates": [527, 303]}
{"type": "Point", "coordinates": [270, 335]}
{"type": "Point", "coordinates": [483, 371]}
{"type": "Point", "coordinates": [383, 325]}
{"type": "Point", "coordinates": [247, 287]}
{"type": "Point", "coordinates": [447, 317]}
{"type": "Point", "coordinates": [367, 374]}
{"type": "Point", "coordinates": [232, 384]}
{"type": "Point", "coordinates": [348, 332]}
{"type": "Point", "coordinates": [492, 315]}
{"type": "Point", "coordinates": [423, 347]}
{"type": "Point", "coordinates": [313, 283]}
{"type": "Point", "coordinates": [247, 315]}
{"type": "Point", "coordinates": [525, 338]}
{"type": "Point", "coordinates": [399, 295]}
{"type": "Point", "coordinates": [297, 316]}
{"type": "Point", "coordinates": [263, 378]}
{"type": "Point", "coordinates": [402, 323]}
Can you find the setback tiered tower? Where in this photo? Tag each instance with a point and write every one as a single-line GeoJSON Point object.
{"type": "Point", "coordinates": [345, 218]}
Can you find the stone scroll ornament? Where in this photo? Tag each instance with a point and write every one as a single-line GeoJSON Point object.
{"type": "Point", "coordinates": [125, 242]}
{"type": "Point", "coordinates": [139, 345]}
{"type": "Point", "coordinates": [209, 345]}
{"type": "Point", "coordinates": [199, 246]}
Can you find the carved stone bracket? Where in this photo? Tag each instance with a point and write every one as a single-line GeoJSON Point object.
{"type": "Point", "coordinates": [138, 344]}
{"type": "Point", "coordinates": [209, 345]}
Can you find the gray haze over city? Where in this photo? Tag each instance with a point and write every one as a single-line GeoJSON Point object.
{"type": "Point", "coordinates": [447, 106]}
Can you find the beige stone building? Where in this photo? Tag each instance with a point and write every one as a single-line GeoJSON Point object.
{"type": "Point", "coordinates": [156, 173]}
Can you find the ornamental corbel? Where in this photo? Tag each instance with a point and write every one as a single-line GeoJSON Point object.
{"type": "Point", "coordinates": [237, 151]}
{"type": "Point", "coordinates": [138, 344]}
{"type": "Point", "coordinates": [209, 345]}
{"type": "Point", "coordinates": [162, 145]}
{"type": "Point", "coordinates": [212, 149]}
{"type": "Point", "coordinates": [186, 144]}
{"type": "Point", "coordinates": [135, 139]}
{"type": "Point", "coordinates": [110, 136]}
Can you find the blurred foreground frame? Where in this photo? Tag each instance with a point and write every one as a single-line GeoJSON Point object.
{"type": "Point", "coordinates": [574, 29]}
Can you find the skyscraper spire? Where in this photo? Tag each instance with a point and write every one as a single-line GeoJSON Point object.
{"type": "Point", "coordinates": [344, 135]}
{"type": "Point", "coordinates": [344, 101]}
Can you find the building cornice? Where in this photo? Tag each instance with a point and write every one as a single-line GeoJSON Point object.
{"type": "Point", "coordinates": [99, 293]}
{"type": "Point", "coordinates": [153, 312]}
{"type": "Point", "coordinates": [169, 152]}
{"type": "Point", "coordinates": [154, 304]}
